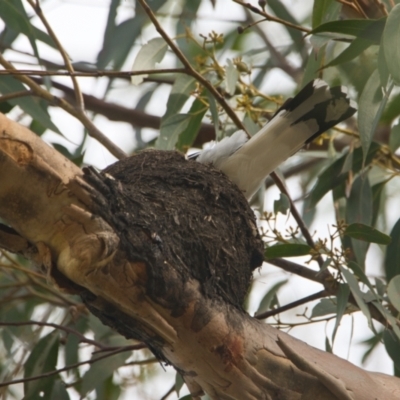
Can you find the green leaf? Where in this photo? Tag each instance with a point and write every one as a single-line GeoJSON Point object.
{"type": "Point", "coordinates": [149, 55]}
{"type": "Point", "coordinates": [179, 382]}
{"type": "Point", "coordinates": [189, 134]}
{"type": "Point", "coordinates": [231, 77]}
{"type": "Point", "coordinates": [332, 176]}
{"type": "Point", "coordinates": [367, 234]}
{"type": "Point", "coordinates": [392, 345]}
{"type": "Point", "coordinates": [170, 130]}
{"type": "Point", "coordinates": [59, 391]}
{"type": "Point", "coordinates": [377, 191]}
{"type": "Point", "coordinates": [394, 139]}
{"type": "Point", "coordinates": [382, 67]}
{"type": "Point", "coordinates": [282, 205]}
{"type": "Point", "coordinates": [392, 256]}
{"type": "Point", "coordinates": [43, 358]}
{"type": "Point", "coordinates": [324, 307]}
{"type": "Point", "coordinates": [342, 301]}
{"type": "Point", "coordinates": [390, 43]}
{"type": "Point", "coordinates": [267, 300]}
{"type": "Point", "coordinates": [359, 211]}
{"type": "Point", "coordinates": [214, 112]}
{"type": "Point", "coordinates": [31, 105]}
{"type": "Point", "coordinates": [357, 46]}
{"type": "Point", "coordinates": [324, 11]}
{"type": "Point", "coordinates": [358, 295]}
{"type": "Point", "coordinates": [393, 291]}
{"type": "Point", "coordinates": [14, 15]}
{"type": "Point", "coordinates": [368, 107]}
{"type": "Point", "coordinates": [314, 63]}
{"type": "Point", "coordinates": [101, 370]}
{"type": "Point", "coordinates": [287, 250]}
{"type": "Point", "coordinates": [362, 28]}
{"type": "Point", "coordinates": [182, 88]}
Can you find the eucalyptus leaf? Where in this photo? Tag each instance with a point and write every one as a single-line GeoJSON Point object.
{"type": "Point", "coordinates": [267, 300]}
{"type": "Point", "coordinates": [149, 55]}
{"type": "Point", "coordinates": [366, 233]}
{"type": "Point", "coordinates": [390, 43]}
{"type": "Point", "coordinates": [393, 291]}
{"type": "Point", "coordinates": [342, 301]}
{"type": "Point", "coordinates": [392, 256]}
{"type": "Point", "coordinates": [170, 130]}
{"type": "Point", "coordinates": [282, 205]}
{"type": "Point", "coordinates": [368, 107]}
{"type": "Point", "coordinates": [287, 250]}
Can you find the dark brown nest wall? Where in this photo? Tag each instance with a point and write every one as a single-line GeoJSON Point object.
{"type": "Point", "coordinates": [184, 220]}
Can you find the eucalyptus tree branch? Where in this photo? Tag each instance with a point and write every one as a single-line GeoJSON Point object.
{"type": "Point", "coordinates": [95, 74]}
{"type": "Point", "coordinates": [294, 304]}
{"type": "Point", "coordinates": [79, 99]}
{"type": "Point", "coordinates": [272, 18]}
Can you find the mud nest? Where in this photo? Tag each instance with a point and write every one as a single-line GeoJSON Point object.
{"type": "Point", "coordinates": [184, 220]}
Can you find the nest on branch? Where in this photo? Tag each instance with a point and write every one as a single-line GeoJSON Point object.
{"type": "Point", "coordinates": [183, 220]}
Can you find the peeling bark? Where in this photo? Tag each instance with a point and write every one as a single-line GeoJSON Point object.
{"type": "Point", "coordinates": [162, 250]}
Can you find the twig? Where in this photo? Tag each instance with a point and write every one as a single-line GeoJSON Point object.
{"type": "Point", "coordinates": [190, 70]}
{"type": "Point", "coordinates": [95, 74]}
{"type": "Point", "coordinates": [16, 95]}
{"type": "Point", "coordinates": [57, 371]}
{"type": "Point", "coordinates": [64, 55]}
{"type": "Point", "coordinates": [298, 218]}
{"type": "Point", "coordinates": [270, 17]}
{"type": "Point", "coordinates": [270, 313]}
{"type": "Point", "coordinates": [83, 338]}
{"type": "Point", "coordinates": [170, 391]}
{"type": "Point", "coordinates": [295, 268]}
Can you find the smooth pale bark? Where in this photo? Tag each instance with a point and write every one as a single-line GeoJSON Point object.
{"type": "Point", "coordinates": [228, 356]}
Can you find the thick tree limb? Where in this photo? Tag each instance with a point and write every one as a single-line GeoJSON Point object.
{"type": "Point", "coordinates": [90, 245]}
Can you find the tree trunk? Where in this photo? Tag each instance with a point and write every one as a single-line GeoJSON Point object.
{"type": "Point", "coordinates": [162, 250]}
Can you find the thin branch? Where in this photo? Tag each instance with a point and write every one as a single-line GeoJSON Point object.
{"type": "Point", "coordinates": [82, 337]}
{"type": "Point", "coordinates": [57, 371]}
{"type": "Point", "coordinates": [299, 219]}
{"type": "Point", "coordinates": [64, 55]}
{"type": "Point", "coordinates": [95, 74]}
{"type": "Point", "coordinates": [304, 300]}
{"type": "Point", "coordinates": [190, 70]}
{"type": "Point", "coordinates": [87, 123]}
{"type": "Point", "coordinates": [170, 391]}
{"type": "Point", "coordinates": [272, 18]}
{"type": "Point", "coordinates": [295, 268]}
{"type": "Point", "coordinates": [16, 95]}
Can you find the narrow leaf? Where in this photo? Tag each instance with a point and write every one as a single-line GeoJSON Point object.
{"type": "Point", "coordinates": [357, 46]}
{"type": "Point", "coordinates": [332, 176]}
{"type": "Point", "coordinates": [358, 295]}
{"type": "Point", "coordinates": [394, 139]}
{"type": "Point", "coordinates": [182, 88]}
{"type": "Point", "coordinates": [282, 204]}
{"type": "Point", "coordinates": [324, 307]}
{"type": "Point", "coordinates": [231, 78]}
{"type": "Point", "coordinates": [267, 300]}
{"type": "Point", "coordinates": [369, 104]}
{"type": "Point", "coordinates": [392, 256]}
{"type": "Point", "coordinates": [392, 345]}
{"type": "Point", "coordinates": [170, 130]}
{"type": "Point", "coordinates": [367, 233]}
{"type": "Point", "coordinates": [390, 43]}
{"type": "Point", "coordinates": [362, 28]}
{"type": "Point", "coordinates": [43, 358]}
{"type": "Point", "coordinates": [287, 250]}
{"type": "Point", "coordinates": [342, 300]}
{"type": "Point", "coordinates": [149, 55]}
{"type": "Point", "coordinates": [324, 11]}
{"type": "Point", "coordinates": [359, 211]}
{"type": "Point", "coordinates": [393, 291]}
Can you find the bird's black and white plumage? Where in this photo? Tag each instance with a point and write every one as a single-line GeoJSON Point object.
{"type": "Point", "coordinates": [315, 109]}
